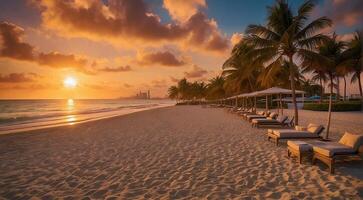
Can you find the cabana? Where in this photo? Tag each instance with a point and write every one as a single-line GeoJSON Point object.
{"type": "Point", "coordinates": [267, 92]}
{"type": "Point", "coordinates": [277, 91]}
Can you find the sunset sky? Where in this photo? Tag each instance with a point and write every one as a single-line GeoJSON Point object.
{"type": "Point", "coordinates": [115, 48]}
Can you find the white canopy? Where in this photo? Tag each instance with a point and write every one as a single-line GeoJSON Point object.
{"type": "Point", "coordinates": [270, 91]}
{"type": "Point", "coordinates": [277, 90]}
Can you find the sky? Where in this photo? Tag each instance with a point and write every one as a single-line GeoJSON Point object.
{"type": "Point", "coordinates": [115, 48]}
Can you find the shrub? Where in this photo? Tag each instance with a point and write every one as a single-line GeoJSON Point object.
{"type": "Point", "coordinates": [336, 107]}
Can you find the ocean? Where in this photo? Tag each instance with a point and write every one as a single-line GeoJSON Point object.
{"type": "Point", "coordinates": [23, 115]}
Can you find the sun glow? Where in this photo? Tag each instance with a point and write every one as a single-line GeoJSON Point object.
{"type": "Point", "coordinates": [70, 82]}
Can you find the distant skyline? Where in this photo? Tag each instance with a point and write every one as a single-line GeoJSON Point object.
{"type": "Point", "coordinates": [115, 48]}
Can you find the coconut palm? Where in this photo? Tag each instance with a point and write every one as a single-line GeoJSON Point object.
{"type": "Point", "coordinates": [343, 71]}
{"type": "Point", "coordinates": [183, 88]}
{"type": "Point", "coordinates": [239, 71]}
{"type": "Point", "coordinates": [328, 59]}
{"type": "Point", "coordinates": [173, 92]}
{"type": "Point", "coordinates": [286, 37]}
{"type": "Point", "coordinates": [197, 90]}
{"type": "Point", "coordinates": [215, 88]}
{"type": "Point", "coordinates": [353, 58]}
{"type": "Point", "coordinates": [319, 76]}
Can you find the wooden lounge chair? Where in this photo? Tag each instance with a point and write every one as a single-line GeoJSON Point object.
{"type": "Point", "coordinates": [278, 122]}
{"type": "Point", "coordinates": [328, 152]}
{"type": "Point", "coordinates": [272, 115]}
{"type": "Point", "coordinates": [313, 131]}
{"type": "Point", "coordinates": [257, 114]}
{"type": "Point", "coordinates": [246, 111]}
{"type": "Point", "coordinates": [289, 122]}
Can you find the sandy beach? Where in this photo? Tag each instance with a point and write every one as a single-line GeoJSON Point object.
{"type": "Point", "coordinates": [170, 153]}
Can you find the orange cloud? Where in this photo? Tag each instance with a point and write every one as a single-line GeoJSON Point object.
{"type": "Point", "coordinates": [125, 68]}
{"type": "Point", "coordinates": [182, 10]}
{"type": "Point", "coordinates": [164, 58]}
{"type": "Point", "coordinates": [130, 22]}
{"type": "Point", "coordinates": [18, 77]}
{"type": "Point", "coordinates": [13, 47]}
{"type": "Point", "coordinates": [195, 72]}
{"type": "Point", "coordinates": [236, 38]}
{"type": "Point", "coordinates": [159, 83]}
{"type": "Point", "coordinates": [58, 60]}
{"type": "Point", "coordinates": [173, 79]}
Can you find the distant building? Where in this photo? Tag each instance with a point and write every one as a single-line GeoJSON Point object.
{"type": "Point", "coordinates": [143, 95]}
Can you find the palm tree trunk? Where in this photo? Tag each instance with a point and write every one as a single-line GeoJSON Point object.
{"type": "Point", "coordinates": [321, 90]}
{"type": "Point", "coordinates": [292, 81]}
{"type": "Point", "coordinates": [338, 89]}
{"type": "Point", "coordinates": [360, 90]}
{"type": "Point", "coordinates": [329, 110]}
{"type": "Point", "coordinates": [345, 88]}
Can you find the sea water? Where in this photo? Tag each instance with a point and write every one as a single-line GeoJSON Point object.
{"type": "Point", "coordinates": [22, 115]}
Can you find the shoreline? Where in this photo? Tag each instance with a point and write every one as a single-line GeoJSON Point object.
{"type": "Point", "coordinates": [66, 122]}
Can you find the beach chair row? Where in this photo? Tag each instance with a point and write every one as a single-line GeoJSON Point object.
{"type": "Point", "coordinates": [317, 148]}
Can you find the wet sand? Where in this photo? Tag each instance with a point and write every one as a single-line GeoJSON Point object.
{"type": "Point", "coordinates": [169, 153]}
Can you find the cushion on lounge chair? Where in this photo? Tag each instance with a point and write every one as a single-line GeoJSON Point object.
{"type": "Point", "coordinates": [281, 118]}
{"type": "Point", "coordinates": [299, 145]}
{"type": "Point", "coordinates": [332, 148]}
{"type": "Point", "coordinates": [314, 128]}
{"type": "Point", "coordinates": [291, 133]}
{"type": "Point", "coordinates": [273, 115]}
{"type": "Point", "coordinates": [260, 112]}
{"type": "Point", "coordinates": [264, 120]}
{"type": "Point", "coordinates": [352, 140]}
{"type": "Point", "coordinates": [301, 128]}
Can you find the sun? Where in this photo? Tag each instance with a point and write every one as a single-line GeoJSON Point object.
{"type": "Point", "coordinates": [70, 82]}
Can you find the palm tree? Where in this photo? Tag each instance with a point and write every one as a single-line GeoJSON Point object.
{"type": "Point", "coordinates": [215, 88]}
{"type": "Point", "coordinates": [353, 58]}
{"type": "Point", "coordinates": [239, 71]}
{"type": "Point", "coordinates": [286, 37]}
{"type": "Point", "coordinates": [328, 59]}
{"type": "Point", "coordinates": [310, 87]}
{"type": "Point", "coordinates": [173, 92]}
{"type": "Point", "coordinates": [344, 71]}
{"type": "Point", "coordinates": [319, 75]}
{"type": "Point", "coordinates": [183, 88]}
{"type": "Point", "coordinates": [197, 90]}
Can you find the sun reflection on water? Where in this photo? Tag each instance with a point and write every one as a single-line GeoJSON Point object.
{"type": "Point", "coordinates": [71, 119]}
{"type": "Point", "coordinates": [70, 106]}
{"type": "Point", "coordinates": [70, 102]}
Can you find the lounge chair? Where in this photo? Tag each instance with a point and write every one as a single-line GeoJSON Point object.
{"type": "Point", "coordinates": [257, 114]}
{"type": "Point", "coordinates": [246, 111]}
{"type": "Point", "coordinates": [278, 122]}
{"type": "Point", "coordinates": [313, 131]}
{"type": "Point", "coordinates": [290, 122]}
{"type": "Point", "coordinates": [272, 115]}
{"type": "Point", "coordinates": [328, 152]}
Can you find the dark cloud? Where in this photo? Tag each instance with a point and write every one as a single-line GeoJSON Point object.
{"type": "Point", "coordinates": [344, 12]}
{"type": "Point", "coordinates": [58, 60]}
{"type": "Point", "coordinates": [195, 72]}
{"type": "Point", "coordinates": [127, 85]}
{"type": "Point", "coordinates": [18, 77]}
{"type": "Point", "coordinates": [165, 58]}
{"type": "Point", "coordinates": [12, 45]}
{"type": "Point", "coordinates": [126, 21]}
{"type": "Point", "coordinates": [125, 68]}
